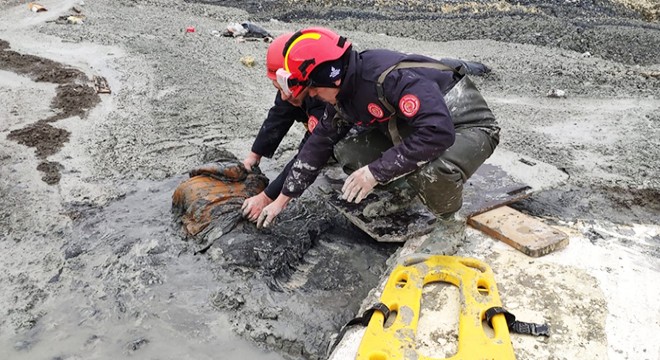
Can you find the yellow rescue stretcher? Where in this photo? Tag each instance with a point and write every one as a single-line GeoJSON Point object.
{"type": "Point", "coordinates": [403, 293]}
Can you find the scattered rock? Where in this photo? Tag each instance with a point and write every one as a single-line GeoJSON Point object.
{"type": "Point", "coordinates": [22, 345]}
{"type": "Point", "coordinates": [556, 93]}
{"type": "Point", "coordinates": [651, 74]}
{"type": "Point", "coordinates": [247, 61]}
{"type": "Point", "coordinates": [34, 7]}
{"type": "Point", "coordinates": [137, 344]}
{"type": "Point", "coordinates": [248, 30]}
{"type": "Point", "coordinates": [223, 301]}
{"type": "Point", "coordinates": [72, 252]}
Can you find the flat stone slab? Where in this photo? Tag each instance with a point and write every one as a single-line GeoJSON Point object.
{"type": "Point", "coordinates": [506, 177]}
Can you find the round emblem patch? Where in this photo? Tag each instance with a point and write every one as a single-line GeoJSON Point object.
{"type": "Point", "coordinates": [311, 123]}
{"type": "Point", "coordinates": [375, 110]}
{"type": "Point", "coordinates": [409, 105]}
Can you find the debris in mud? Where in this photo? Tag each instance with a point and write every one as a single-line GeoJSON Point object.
{"type": "Point", "coordinates": [651, 74]}
{"type": "Point", "coordinates": [247, 30]}
{"type": "Point", "coordinates": [247, 61]}
{"type": "Point", "coordinates": [51, 171]}
{"type": "Point", "coordinates": [137, 344]}
{"type": "Point", "coordinates": [101, 85]}
{"type": "Point", "coordinates": [34, 7]}
{"type": "Point", "coordinates": [75, 19]}
{"type": "Point", "coordinates": [556, 93]}
{"type": "Point", "coordinates": [227, 301]}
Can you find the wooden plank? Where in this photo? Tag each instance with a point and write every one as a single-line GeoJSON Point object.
{"type": "Point", "coordinates": [525, 233]}
{"type": "Point", "coordinates": [101, 85]}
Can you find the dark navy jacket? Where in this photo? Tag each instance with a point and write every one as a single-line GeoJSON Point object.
{"type": "Point", "coordinates": [357, 102]}
{"type": "Point", "coordinates": [277, 124]}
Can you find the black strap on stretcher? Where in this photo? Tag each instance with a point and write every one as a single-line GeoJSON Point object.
{"type": "Point", "coordinates": [361, 320]}
{"type": "Point", "coordinates": [515, 326]}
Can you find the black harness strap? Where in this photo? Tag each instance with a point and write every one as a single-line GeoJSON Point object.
{"type": "Point", "coordinates": [391, 125]}
{"type": "Point", "coordinates": [515, 326]}
{"type": "Point", "coordinates": [361, 320]}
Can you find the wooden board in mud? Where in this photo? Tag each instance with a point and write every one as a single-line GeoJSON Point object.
{"type": "Point", "coordinates": [505, 178]}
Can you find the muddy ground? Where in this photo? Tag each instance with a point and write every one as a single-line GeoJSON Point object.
{"type": "Point", "coordinates": [92, 267]}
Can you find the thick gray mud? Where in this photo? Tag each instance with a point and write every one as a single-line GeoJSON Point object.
{"type": "Point", "coordinates": [126, 283]}
{"type": "Point", "coordinates": [92, 267]}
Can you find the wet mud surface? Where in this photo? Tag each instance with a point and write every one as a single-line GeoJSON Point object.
{"type": "Point", "coordinates": [74, 98]}
{"type": "Point", "coordinates": [94, 267]}
{"type": "Point", "coordinates": [615, 204]}
{"type": "Point", "coordinates": [613, 30]}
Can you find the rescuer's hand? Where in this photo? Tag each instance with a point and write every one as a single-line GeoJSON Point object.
{"type": "Point", "coordinates": [270, 212]}
{"type": "Point", "coordinates": [251, 160]}
{"type": "Point", "coordinates": [253, 206]}
{"type": "Point", "coordinates": [358, 185]}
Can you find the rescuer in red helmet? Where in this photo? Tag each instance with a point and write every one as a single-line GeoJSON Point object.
{"type": "Point", "coordinates": [288, 109]}
{"type": "Point", "coordinates": [423, 120]}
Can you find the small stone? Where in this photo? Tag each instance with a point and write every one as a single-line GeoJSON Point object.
{"type": "Point", "coordinates": [22, 345]}
{"type": "Point", "coordinates": [556, 93]}
{"type": "Point", "coordinates": [72, 252]}
{"type": "Point", "coordinates": [247, 61]}
{"type": "Point", "coordinates": [137, 344]}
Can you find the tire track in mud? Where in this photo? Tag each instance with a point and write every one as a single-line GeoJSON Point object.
{"type": "Point", "coordinates": [74, 98]}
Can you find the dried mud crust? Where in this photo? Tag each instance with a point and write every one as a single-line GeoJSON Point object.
{"type": "Point", "coordinates": [73, 98]}
{"type": "Point", "coordinates": [619, 30]}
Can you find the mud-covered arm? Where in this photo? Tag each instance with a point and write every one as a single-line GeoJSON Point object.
{"type": "Point", "coordinates": [278, 122]}
{"type": "Point", "coordinates": [315, 153]}
{"type": "Point", "coordinates": [419, 103]}
{"type": "Point", "coordinates": [275, 187]}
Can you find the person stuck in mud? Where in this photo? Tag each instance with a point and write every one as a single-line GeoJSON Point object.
{"type": "Point", "coordinates": [418, 119]}
{"type": "Point", "coordinates": [286, 110]}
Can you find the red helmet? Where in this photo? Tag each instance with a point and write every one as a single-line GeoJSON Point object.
{"type": "Point", "coordinates": [275, 55]}
{"type": "Point", "coordinates": [305, 51]}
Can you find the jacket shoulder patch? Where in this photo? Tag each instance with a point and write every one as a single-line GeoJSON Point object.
{"type": "Point", "coordinates": [312, 121]}
{"type": "Point", "coordinates": [409, 105]}
{"type": "Point", "coordinates": [375, 110]}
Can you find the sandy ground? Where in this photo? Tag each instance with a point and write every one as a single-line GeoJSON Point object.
{"type": "Point", "coordinates": [92, 269]}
